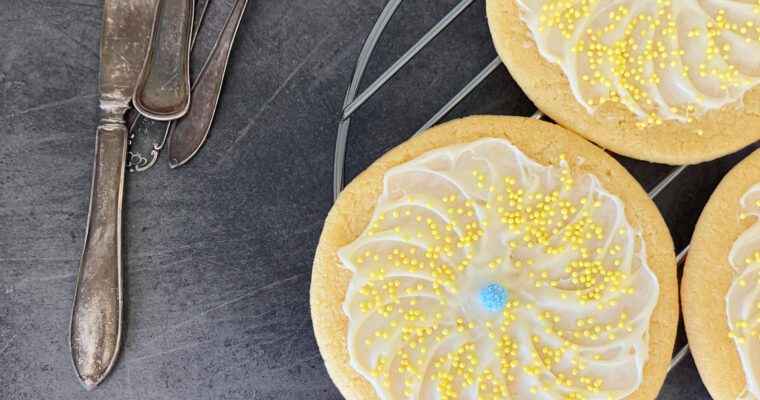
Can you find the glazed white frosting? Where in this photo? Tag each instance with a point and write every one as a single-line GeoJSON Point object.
{"type": "Point", "coordinates": [459, 218]}
{"type": "Point", "coordinates": [662, 59]}
{"type": "Point", "coordinates": [743, 298]}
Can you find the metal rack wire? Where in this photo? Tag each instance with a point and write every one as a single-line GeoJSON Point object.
{"type": "Point", "coordinates": [353, 102]}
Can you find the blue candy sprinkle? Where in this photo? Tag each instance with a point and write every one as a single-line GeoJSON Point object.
{"type": "Point", "coordinates": [494, 297]}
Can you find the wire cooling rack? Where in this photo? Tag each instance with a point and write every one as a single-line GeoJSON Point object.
{"type": "Point", "coordinates": [354, 100]}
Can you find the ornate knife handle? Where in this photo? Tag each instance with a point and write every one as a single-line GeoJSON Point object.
{"type": "Point", "coordinates": [97, 314]}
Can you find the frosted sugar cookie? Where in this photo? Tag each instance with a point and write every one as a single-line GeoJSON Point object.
{"type": "Point", "coordinates": [495, 257]}
{"type": "Point", "coordinates": [721, 286]}
{"type": "Point", "coordinates": [659, 80]}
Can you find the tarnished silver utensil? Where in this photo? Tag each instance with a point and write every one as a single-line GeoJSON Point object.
{"type": "Point", "coordinates": [146, 136]}
{"type": "Point", "coordinates": [97, 313]}
{"type": "Point", "coordinates": [163, 89]}
{"type": "Point", "coordinates": [187, 134]}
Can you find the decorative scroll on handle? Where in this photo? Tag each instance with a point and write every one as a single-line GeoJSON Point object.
{"type": "Point", "coordinates": [188, 134]}
{"type": "Point", "coordinates": [96, 317]}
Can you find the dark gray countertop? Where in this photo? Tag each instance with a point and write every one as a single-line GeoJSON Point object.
{"type": "Point", "coordinates": [218, 253]}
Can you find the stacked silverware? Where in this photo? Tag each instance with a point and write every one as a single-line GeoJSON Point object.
{"type": "Point", "coordinates": [144, 62]}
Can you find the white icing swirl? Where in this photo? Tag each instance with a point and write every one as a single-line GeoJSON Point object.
{"type": "Point", "coordinates": [459, 218]}
{"type": "Point", "coordinates": [662, 59]}
{"type": "Point", "coordinates": [743, 298]}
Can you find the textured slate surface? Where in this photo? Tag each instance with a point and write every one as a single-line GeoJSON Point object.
{"type": "Point", "coordinates": [218, 253]}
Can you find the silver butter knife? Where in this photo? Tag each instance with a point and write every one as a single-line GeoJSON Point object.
{"type": "Point", "coordinates": [187, 134]}
{"type": "Point", "coordinates": [97, 313]}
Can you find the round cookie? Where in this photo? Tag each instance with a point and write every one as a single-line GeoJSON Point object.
{"type": "Point", "coordinates": [709, 134]}
{"type": "Point", "coordinates": [542, 142]}
{"type": "Point", "coordinates": [707, 277]}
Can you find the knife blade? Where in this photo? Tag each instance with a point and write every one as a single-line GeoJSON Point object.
{"type": "Point", "coordinates": [95, 331]}
{"type": "Point", "coordinates": [187, 134]}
